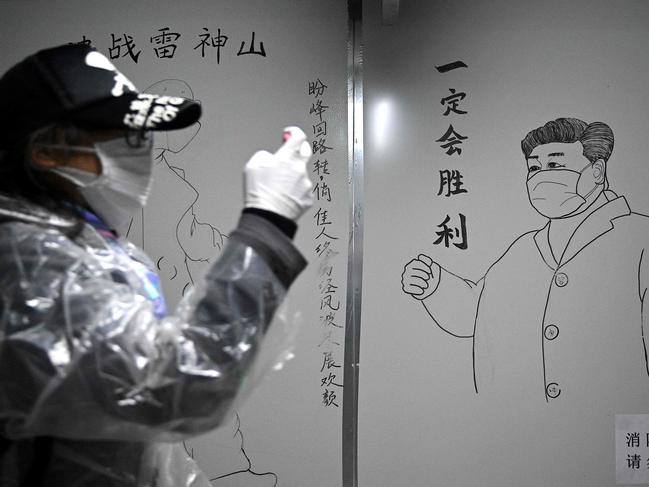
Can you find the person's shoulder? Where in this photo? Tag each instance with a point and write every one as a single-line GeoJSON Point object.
{"type": "Point", "coordinates": [519, 250]}
{"type": "Point", "coordinates": [632, 227]}
{"type": "Point", "coordinates": [29, 231]}
{"type": "Point", "coordinates": [525, 240]}
{"type": "Point", "coordinates": [637, 218]}
{"type": "Point", "coordinates": [16, 210]}
{"type": "Point", "coordinates": [634, 218]}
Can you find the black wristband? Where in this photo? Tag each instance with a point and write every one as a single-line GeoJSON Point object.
{"type": "Point", "coordinates": [287, 226]}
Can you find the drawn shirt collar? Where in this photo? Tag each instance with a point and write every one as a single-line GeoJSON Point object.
{"type": "Point", "coordinates": [594, 226]}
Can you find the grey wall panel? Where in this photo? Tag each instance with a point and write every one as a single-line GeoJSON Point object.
{"type": "Point", "coordinates": [525, 63]}
{"type": "Point", "coordinates": [284, 432]}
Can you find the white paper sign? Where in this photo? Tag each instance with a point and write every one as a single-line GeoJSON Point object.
{"type": "Point", "coordinates": [632, 448]}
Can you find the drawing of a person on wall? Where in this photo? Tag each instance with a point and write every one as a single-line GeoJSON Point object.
{"type": "Point", "coordinates": [559, 317]}
{"type": "Point", "coordinates": [174, 230]}
{"type": "Point", "coordinates": [184, 241]}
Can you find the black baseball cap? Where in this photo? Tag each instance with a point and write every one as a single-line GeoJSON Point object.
{"type": "Point", "coordinates": [79, 85]}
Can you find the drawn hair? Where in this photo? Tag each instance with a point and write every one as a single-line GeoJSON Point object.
{"type": "Point", "coordinates": [596, 138]}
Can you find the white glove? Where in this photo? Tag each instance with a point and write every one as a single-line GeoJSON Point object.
{"type": "Point", "coordinates": [279, 182]}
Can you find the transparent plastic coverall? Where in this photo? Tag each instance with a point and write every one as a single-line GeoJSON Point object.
{"type": "Point", "coordinates": [96, 387]}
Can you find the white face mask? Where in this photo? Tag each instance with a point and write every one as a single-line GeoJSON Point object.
{"type": "Point", "coordinates": [124, 184]}
{"type": "Point", "coordinates": [557, 193]}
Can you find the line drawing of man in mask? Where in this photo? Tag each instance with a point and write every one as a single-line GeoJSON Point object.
{"type": "Point", "coordinates": [172, 215]}
{"type": "Point", "coordinates": [559, 317]}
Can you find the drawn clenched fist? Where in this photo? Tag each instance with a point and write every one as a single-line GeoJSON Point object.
{"type": "Point", "coordinates": [420, 277]}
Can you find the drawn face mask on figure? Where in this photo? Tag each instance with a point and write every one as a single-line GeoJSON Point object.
{"type": "Point", "coordinates": [561, 181]}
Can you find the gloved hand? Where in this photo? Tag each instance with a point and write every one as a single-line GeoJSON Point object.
{"type": "Point", "coordinates": [279, 182]}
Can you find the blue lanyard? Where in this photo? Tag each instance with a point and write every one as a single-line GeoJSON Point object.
{"type": "Point", "coordinates": [150, 280]}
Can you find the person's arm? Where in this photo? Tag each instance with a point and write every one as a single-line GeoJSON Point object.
{"type": "Point", "coordinates": [453, 306]}
{"type": "Point", "coordinates": [450, 300]}
{"type": "Point", "coordinates": [83, 355]}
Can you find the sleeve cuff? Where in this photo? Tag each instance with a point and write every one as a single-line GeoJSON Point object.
{"type": "Point", "coordinates": [273, 245]}
{"type": "Point", "coordinates": [288, 227]}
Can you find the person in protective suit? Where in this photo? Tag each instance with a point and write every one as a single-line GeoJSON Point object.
{"type": "Point", "coordinates": [98, 383]}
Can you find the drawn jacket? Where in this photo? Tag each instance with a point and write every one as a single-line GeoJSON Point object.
{"type": "Point", "coordinates": [570, 330]}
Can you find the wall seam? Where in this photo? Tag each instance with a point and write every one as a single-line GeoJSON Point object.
{"type": "Point", "coordinates": [355, 182]}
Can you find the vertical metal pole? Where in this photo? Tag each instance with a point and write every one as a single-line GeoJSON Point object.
{"type": "Point", "coordinates": [355, 245]}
